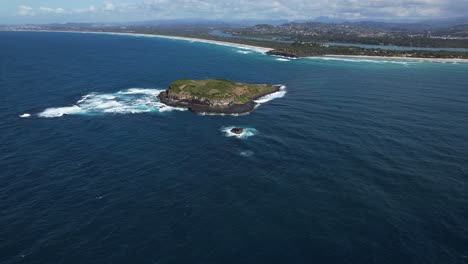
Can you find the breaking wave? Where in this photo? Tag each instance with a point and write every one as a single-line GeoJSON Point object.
{"type": "Point", "coordinates": [130, 101]}
{"type": "Point", "coordinates": [282, 59]}
{"type": "Point", "coordinates": [25, 115]}
{"type": "Point", "coordinates": [244, 51]}
{"type": "Point", "coordinates": [364, 60]}
{"type": "Point", "coordinates": [248, 132]}
{"type": "Point", "coordinates": [269, 97]}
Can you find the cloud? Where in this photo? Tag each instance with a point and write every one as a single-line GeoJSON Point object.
{"type": "Point", "coordinates": [109, 6]}
{"type": "Point", "coordinates": [304, 9]}
{"type": "Point", "coordinates": [25, 10]}
{"type": "Point", "coordinates": [51, 10]}
{"type": "Point", "coordinates": [90, 9]}
{"type": "Point", "coordinates": [261, 9]}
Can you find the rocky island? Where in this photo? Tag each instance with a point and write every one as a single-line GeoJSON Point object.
{"type": "Point", "coordinates": [215, 95]}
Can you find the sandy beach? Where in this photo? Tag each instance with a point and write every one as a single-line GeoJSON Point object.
{"type": "Point", "coordinates": [256, 48]}
{"type": "Point", "coordinates": [216, 42]}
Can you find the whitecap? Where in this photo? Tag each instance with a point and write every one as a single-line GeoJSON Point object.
{"type": "Point", "coordinates": [154, 92]}
{"type": "Point", "coordinates": [25, 115]}
{"type": "Point", "coordinates": [247, 153]}
{"type": "Point", "coordinates": [130, 101]}
{"type": "Point", "coordinates": [282, 59]}
{"type": "Point", "coordinates": [269, 97]}
{"type": "Point", "coordinates": [60, 111]}
{"type": "Point", "coordinates": [248, 132]}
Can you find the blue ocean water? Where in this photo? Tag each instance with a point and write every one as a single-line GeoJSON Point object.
{"type": "Point", "coordinates": [361, 161]}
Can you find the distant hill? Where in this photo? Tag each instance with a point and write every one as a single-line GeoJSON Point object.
{"type": "Point", "coordinates": [446, 22]}
{"type": "Point", "coordinates": [456, 27]}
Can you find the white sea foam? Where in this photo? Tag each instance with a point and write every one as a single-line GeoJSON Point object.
{"type": "Point", "coordinates": [131, 101]}
{"type": "Point", "coordinates": [244, 51]}
{"type": "Point", "coordinates": [25, 115]}
{"type": "Point", "coordinates": [61, 111]}
{"type": "Point", "coordinates": [282, 59]}
{"type": "Point", "coordinates": [269, 97]}
{"type": "Point", "coordinates": [365, 60]}
{"type": "Point", "coordinates": [247, 153]}
{"type": "Point", "coordinates": [248, 132]}
{"type": "Point", "coordinates": [153, 92]}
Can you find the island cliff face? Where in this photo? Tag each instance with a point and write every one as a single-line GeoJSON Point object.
{"type": "Point", "coordinates": [215, 96]}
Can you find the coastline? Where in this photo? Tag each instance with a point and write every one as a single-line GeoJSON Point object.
{"type": "Point", "coordinates": [392, 58]}
{"type": "Point", "coordinates": [259, 49]}
{"type": "Point", "coordinates": [215, 42]}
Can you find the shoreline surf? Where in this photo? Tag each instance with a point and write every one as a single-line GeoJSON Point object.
{"type": "Point", "coordinates": [393, 58]}
{"type": "Point", "coordinates": [259, 49]}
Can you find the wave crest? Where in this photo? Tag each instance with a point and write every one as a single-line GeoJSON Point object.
{"type": "Point", "coordinates": [269, 97]}
{"type": "Point", "coordinates": [25, 115]}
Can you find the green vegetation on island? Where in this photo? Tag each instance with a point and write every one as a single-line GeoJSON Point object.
{"type": "Point", "coordinates": [215, 95]}
{"type": "Point", "coordinates": [218, 89]}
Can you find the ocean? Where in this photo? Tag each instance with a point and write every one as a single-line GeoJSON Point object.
{"type": "Point", "coordinates": [357, 161]}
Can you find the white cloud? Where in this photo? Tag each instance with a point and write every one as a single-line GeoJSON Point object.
{"type": "Point", "coordinates": [261, 9]}
{"type": "Point", "coordinates": [25, 10]}
{"type": "Point", "coordinates": [302, 9]}
{"type": "Point", "coordinates": [90, 9]}
{"type": "Point", "coordinates": [51, 10]}
{"type": "Point", "coordinates": [109, 6]}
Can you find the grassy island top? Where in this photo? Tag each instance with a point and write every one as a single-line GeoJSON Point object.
{"type": "Point", "coordinates": [218, 89]}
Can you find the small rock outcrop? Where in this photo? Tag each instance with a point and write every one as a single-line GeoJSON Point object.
{"type": "Point", "coordinates": [237, 130]}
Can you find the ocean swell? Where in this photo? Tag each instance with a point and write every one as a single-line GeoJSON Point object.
{"type": "Point", "coordinates": [130, 101]}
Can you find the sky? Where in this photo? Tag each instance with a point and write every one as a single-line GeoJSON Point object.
{"type": "Point", "coordinates": [61, 11]}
